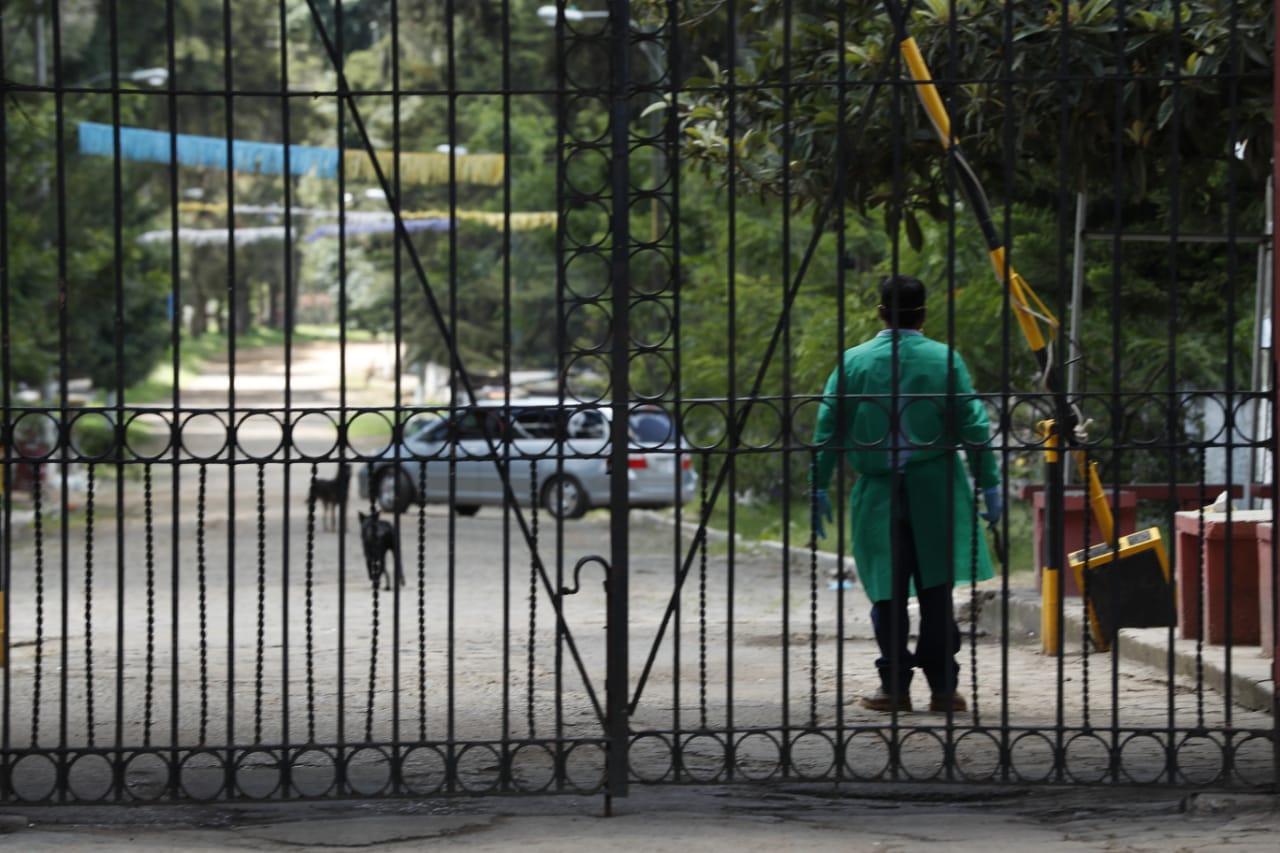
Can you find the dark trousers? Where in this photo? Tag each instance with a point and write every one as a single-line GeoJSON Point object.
{"type": "Point", "coordinates": [939, 636]}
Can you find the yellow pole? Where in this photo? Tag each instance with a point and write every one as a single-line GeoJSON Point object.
{"type": "Point", "coordinates": [1029, 311]}
{"type": "Point", "coordinates": [1098, 501]}
{"type": "Point", "coordinates": [927, 92]}
{"type": "Point", "coordinates": [3, 644]}
{"type": "Point", "coordinates": [1051, 575]}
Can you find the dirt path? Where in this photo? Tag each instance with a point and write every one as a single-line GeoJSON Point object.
{"type": "Point", "coordinates": [311, 376]}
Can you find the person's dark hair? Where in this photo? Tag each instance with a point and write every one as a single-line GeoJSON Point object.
{"type": "Point", "coordinates": [902, 301]}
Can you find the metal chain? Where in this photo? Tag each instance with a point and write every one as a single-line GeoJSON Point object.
{"type": "Point", "coordinates": [813, 629]}
{"type": "Point", "coordinates": [310, 613]}
{"type": "Point", "coordinates": [373, 663]}
{"type": "Point", "coordinates": [150, 677]}
{"type": "Point", "coordinates": [702, 600]}
{"type": "Point", "coordinates": [533, 594]}
{"type": "Point", "coordinates": [202, 593]}
{"type": "Point", "coordinates": [1202, 545]}
{"type": "Point", "coordinates": [422, 604]}
{"type": "Point", "coordinates": [1086, 583]}
{"type": "Point", "coordinates": [973, 606]}
{"type": "Point", "coordinates": [262, 604]}
{"type": "Point", "coordinates": [88, 603]}
{"type": "Point", "coordinates": [37, 495]}
{"type": "Point", "coordinates": [374, 624]}
{"type": "Point", "coordinates": [813, 594]}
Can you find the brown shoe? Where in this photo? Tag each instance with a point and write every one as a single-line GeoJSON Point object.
{"type": "Point", "coordinates": [885, 702]}
{"type": "Point", "coordinates": [943, 702]}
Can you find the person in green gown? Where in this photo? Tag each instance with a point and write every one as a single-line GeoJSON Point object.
{"type": "Point", "coordinates": [901, 410]}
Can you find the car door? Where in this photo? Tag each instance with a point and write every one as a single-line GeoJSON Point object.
{"type": "Point", "coordinates": [455, 450]}
{"type": "Point", "coordinates": [477, 442]}
{"type": "Point", "coordinates": [429, 445]}
{"type": "Point", "coordinates": [535, 431]}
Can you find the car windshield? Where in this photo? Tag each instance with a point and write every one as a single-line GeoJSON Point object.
{"type": "Point", "coordinates": [651, 427]}
{"type": "Point", "coordinates": [419, 425]}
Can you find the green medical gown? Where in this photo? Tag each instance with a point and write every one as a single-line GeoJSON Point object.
{"type": "Point", "coordinates": [940, 416]}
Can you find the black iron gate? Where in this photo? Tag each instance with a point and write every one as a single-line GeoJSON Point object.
{"type": "Point", "coordinates": [581, 335]}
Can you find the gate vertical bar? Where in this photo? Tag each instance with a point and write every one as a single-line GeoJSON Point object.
{"type": "Point", "coordinates": [6, 403]}
{"type": "Point", "coordinates": [1270, 476]}
{"type": "Point", "coordinates": [616, 663]}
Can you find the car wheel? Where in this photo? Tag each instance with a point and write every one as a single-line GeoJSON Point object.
{"type": "Point", "coordinates": [563, 497]}
{"type": "Point", "coordinates": [466, 510]}
{"type": "Point", "coordinates": [394, 491]}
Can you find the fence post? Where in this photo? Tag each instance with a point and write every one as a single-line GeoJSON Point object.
{"type": "Point", "coordinates": [617, 681]}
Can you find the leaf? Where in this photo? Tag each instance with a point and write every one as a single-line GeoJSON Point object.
{"type": "Point", "coordinates": [655, 107]}
{"type": "Point", "coordinates": [1146, 19]}
{"type": "Point", "coordinates": [1257, 53]}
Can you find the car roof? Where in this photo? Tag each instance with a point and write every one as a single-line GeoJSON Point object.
{"type": "Point", "coordinates": [544, 401]}
{"type": "Point", "coordinates": [603, 407]}
{"type": "Point", "coordinates": [540, 400]}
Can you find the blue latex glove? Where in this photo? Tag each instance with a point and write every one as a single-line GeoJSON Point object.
{"type": "Point", "coordinates": [994, 502]}
{"type": "Point", "coordinates": [821, 510]}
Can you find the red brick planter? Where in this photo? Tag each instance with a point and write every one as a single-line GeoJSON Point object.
{"type": "Point", "coordinates": [1267, 584]}
{"type": "Point", "coordinates": [1193, 568]}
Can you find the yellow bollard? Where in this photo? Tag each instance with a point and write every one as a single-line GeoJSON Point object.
{"type": "Point", "coordinates": [1050, 593]}
{"type": "Point", "coordinates": [1051, 575]}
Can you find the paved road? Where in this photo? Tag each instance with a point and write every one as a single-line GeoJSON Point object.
{"type": "Point", "coordinates": [867, 819]}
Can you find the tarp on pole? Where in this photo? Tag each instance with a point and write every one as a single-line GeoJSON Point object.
{"type": "Point", "coordinates": [268, 158]}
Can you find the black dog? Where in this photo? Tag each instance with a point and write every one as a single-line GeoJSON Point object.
{"type": "Point", "coordinates": [379, 538]}
{"type": "Point", "coordinates": [333, 495]}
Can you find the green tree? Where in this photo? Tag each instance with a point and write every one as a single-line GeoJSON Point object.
{"type": "Point", "coordinates": [480, 272]}
{"type": "Point", "coordinates": [74, 294]}
{"type": "Point", "coordinates": [1024, 83]}
{"type": "Point", "coordinates": [1160, 112]}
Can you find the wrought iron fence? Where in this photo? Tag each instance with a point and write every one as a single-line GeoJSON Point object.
{"type": "Point", "coordinates": [413, 549]}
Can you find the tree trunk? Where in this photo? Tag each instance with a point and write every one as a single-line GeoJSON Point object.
{"type": "Point", "coordinates": [243, 315]}
{"type": "Point", "coordinates": [275, 318]}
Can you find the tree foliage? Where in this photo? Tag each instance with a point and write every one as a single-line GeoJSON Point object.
{"type": "Point", "coordinates": [74, 294]}
{"type": "Point", "coordinates": [237, 70]}
{"type": "Point", "coordinates": [1159, 111]}
{"type": "Point", "coordinates": [1044, 98]}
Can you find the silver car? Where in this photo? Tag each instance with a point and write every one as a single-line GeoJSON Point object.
{"type": "Point", "coordinates": [557, 453]}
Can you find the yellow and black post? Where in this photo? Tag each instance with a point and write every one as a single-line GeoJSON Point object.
{"type": "Point", "coordinates": [1033, 319]}
{"type": "Point", "coordinates": [4, 473]}
{"type": "Point", "coordinates": [1051, 576]}
{"type": "Point", "coordinates": [1133, 569]}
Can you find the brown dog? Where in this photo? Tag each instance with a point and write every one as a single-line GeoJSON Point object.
{"type": "Point", "coordinates": [332, 494]}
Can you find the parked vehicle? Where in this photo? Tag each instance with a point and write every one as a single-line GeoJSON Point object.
{"type": "Point", "coordinates": [558, 452]}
